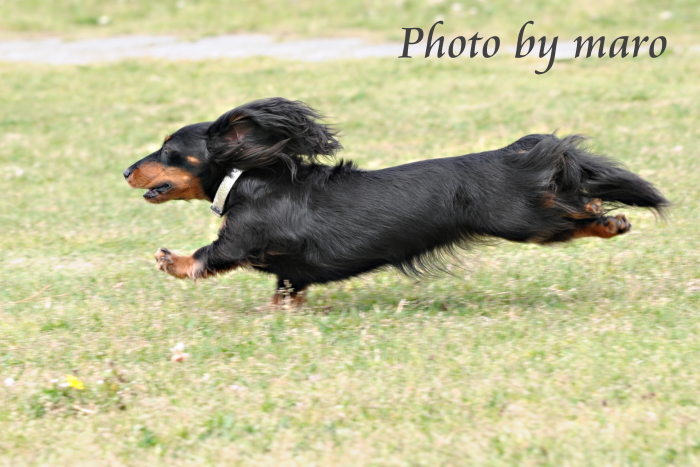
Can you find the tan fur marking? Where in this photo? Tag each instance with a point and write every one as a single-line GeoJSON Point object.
{"type": "Point", "coordinates": [153, 174]}
{"type": "Point", "coordinates": [548, 200]}
{"type": "Point", "coordinates": [178, 266]}
{"type": "Point", "coordinates": [193, 160]}
{"type": "Point", "coordinates": [184, 267]}
{"type": "Point", "coordinates": [605, 227]}
{"type": "Point", "coordinates": [592, 209]}
{"type": "Point", "coordinates": [293, 299]}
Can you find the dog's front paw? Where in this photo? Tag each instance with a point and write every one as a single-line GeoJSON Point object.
{"type": "Point", "coordinates": [176, 265]}
{"type": "Point", "coordinates": [164, 260]}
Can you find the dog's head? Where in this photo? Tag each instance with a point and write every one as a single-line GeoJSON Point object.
{"type": "Point", "coordinates": [194, 160]}
{"type": "Point", "coordinates": [176, 170]}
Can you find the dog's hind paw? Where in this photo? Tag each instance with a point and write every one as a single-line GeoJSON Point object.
{"type": "Point", "coordinates": [605, 227]}
{"type": "Point", "coordinates": [618, 225]}
{"type": "Point", "coordinates": [594, 207]}
{"type": "Point", "coordinates": [286, 298]}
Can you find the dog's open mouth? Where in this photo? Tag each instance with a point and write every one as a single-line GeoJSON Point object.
{"type": "Point", "coordinates": [159, 190]}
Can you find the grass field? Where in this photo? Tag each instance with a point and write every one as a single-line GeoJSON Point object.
{"type": "Point", "coordinates": [374, 19]}
{"type": "Point", "coordinates": [580, 355]}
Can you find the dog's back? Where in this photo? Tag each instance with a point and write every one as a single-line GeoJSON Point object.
{"type": "Point", "coordinates": [539, 189]}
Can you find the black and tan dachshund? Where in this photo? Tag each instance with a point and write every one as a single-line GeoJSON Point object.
{"type": "Point", "coordinates": [287, 214]}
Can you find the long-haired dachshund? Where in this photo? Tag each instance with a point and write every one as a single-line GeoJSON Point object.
{"type": "Point", "coordinates": [310, 223]}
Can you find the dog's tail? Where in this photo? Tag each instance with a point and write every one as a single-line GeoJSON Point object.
{"type": "Point", "coordinates": [568, 171]}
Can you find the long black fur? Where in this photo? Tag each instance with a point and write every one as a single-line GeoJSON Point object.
{"type": "Point", "coordinates": [266, 131]}
{"type": "Point", "coordinates": [310, 223]}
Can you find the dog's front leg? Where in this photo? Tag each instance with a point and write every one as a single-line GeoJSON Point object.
{"type": "Point", "coordinates": [179, 266]}
{"type": "Point", "coordinates": [201, 264]}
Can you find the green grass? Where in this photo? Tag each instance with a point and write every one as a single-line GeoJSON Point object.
{"type": "Point", "coordinates": [577, 355]}
{"type": "Point", "coordinates": [379, 19]}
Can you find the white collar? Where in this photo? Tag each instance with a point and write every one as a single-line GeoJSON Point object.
{"type": "Point", "coordinates": [222, 193]}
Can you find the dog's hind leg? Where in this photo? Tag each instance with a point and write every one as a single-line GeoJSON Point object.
{"type": "Point", "coordinates": [289, 295]}
{"type": "Point", "coordinates": [594, 207]}
{"type": "Point", "coordinates": [604, 227]}
{"type": "Point", "coordinates": [591, 226]}
{"type": "Point", "coordinates": [590, 222]}
{"type": "Point", "coordinates": [590, 210]}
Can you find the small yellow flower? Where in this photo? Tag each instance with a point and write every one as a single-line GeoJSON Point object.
{"type": "Point", "coordinates": [74, 382]}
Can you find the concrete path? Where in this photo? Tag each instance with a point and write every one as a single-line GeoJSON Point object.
{"type": "Point", "coordinates": [59, 52]}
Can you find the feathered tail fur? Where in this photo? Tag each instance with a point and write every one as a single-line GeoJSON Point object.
{"type": "Point", "coordinates": [571, 172]}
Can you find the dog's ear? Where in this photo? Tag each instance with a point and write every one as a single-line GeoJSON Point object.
{"type": "Point", "coordinates": [263, 132]}
{"type": "Point", "coordinates": [231, 127]}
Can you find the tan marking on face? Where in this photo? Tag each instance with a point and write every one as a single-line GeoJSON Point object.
{"type": "Point", "coordinates": [193, 160]}
{"type": "Point", "coordinates": [150, 175]}
{"type": "Point", "coordinates": [167, 138]}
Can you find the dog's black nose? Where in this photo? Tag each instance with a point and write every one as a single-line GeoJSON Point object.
{"type": "Point", "coordinates": [127, 172]}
